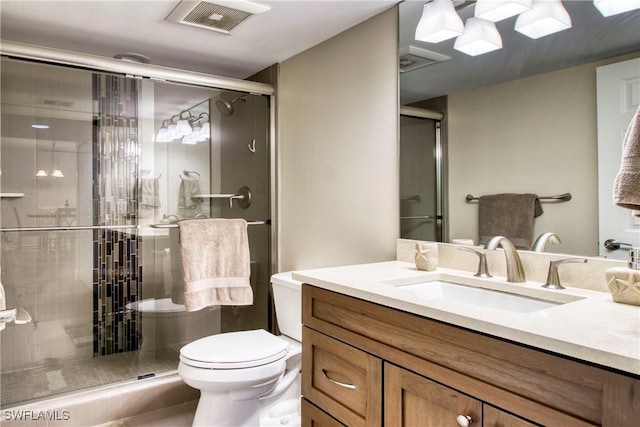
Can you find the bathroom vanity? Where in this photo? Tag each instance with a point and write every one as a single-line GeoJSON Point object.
{"type": "Point", "coordinates": [379, 351]}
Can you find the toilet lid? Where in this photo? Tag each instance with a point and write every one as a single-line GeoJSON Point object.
{"type": "Point", "coordinates": [234, 350]}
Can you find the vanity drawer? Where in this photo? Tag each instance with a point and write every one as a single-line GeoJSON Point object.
{"type": "Point", "coordinates": [341, 380]}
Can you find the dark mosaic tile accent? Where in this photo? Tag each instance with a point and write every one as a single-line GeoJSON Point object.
{"type": "Point", "coordinates": [116, 281]}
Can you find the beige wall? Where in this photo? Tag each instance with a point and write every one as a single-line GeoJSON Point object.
{"type": "Point", "coordinates": [535, 135]}
{"type": "Point", "coordinates": [337, 149]}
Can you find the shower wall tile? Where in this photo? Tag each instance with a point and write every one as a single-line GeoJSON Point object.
{"type": "Point", "coordinates": [116, 271]}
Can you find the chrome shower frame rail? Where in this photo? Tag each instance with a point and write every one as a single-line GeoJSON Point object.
{"type": "Point", "coordinates": [70, 228]}
{"type": "Point", "coordinates": [102, 64]}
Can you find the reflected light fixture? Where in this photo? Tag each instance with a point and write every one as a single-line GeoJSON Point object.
{"type": "Point", "coordinates": [545, 17]}
{"type": "Point", "coordinates": [439, 22]}
{"type": "Point", "coordinates": [183, 127]}
{"type": "Point", "coordinates": [613, 7]}
{"type": "Point", "coordinates": [480, 36]}
{"type": "Point", "coordinates": [497, 10]}
{"type": "Point", "coordinates": [163, 133]}
{"type": "Point", "coordinates": [41, 173]}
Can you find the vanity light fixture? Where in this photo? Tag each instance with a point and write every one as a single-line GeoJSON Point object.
{"type": "Point", "coordinates": [497, 10]}
{"type": "Point", "coordinates": [545, 17]}
{"type": "Point", "coordinates": [163, 133]}
{"type": "Point", "coordinates": [439, 22]}
{"type": "Point", "coordinates": [480, 36]}
{"type": "Point", "coordinates": [172, 129]}
{"type": "Point", "coordinates": [613, 7]}
{"type": "Point", "coordinates": [183, 127]}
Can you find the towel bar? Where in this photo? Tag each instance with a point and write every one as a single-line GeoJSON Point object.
{"type": "Point", "coordinates": [559, 198]}
{"type": "Point", "coordinates": [175, 224]}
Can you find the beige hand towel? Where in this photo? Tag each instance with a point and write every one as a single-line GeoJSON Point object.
{"type": "Point", "coordinates": [626, 187]}
{"type": "Point", "coordinates": [215, 262]}
{"type": "Point", "coordinates": [510, 215]}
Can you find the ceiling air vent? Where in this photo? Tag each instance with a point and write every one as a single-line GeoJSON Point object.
{"type": "Point", "coordinates": [221, 16]}
{"type": "Point", "coordinates": [412, 57]}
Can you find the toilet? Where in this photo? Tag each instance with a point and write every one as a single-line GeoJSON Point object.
{"type": "Point", "coordinates": [237, 372]}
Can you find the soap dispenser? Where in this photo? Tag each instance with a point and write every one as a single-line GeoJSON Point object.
{"type": "Point", "coordinates": [624, 282]}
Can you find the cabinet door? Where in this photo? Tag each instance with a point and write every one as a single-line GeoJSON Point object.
{"type": "Point", "coordinates": [494, 417]}
{"type": "Point", "coordinates": [412, 400]}
{"type": "Point", "coordinates": [342, 380]}
{"type": "Point", "coordinates": [314, 417]}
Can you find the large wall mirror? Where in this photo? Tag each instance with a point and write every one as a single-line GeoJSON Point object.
{"type": "Point", "coordinates": [525, 119]}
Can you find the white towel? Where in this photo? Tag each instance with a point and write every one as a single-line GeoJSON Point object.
{"type": "Point", "coordinates": [150, 192]}
{"type": "Point", "coordinates": [216, 264]}
{"type": "Point", "coordinates": [626, 187]}
{"type": "Point", "coordinates": [189, 187]}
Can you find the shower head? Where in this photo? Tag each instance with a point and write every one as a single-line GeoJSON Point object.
{"type": "Point", "coordinates": [226, 108]}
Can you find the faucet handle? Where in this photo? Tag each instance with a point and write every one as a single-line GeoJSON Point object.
{"type": "Point", "coordinates": [483, 269]}
{"type": "Point", "coordinates": [553, 280]}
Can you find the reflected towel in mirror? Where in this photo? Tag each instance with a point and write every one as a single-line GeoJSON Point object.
{"type": "Point", "coordinates": [510, 215]}
{"type": "Point", "coordinates": [626, 187]}
{"type": "Point", "coordinates": [189, 187]}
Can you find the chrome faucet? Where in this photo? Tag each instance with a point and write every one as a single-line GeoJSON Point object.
{"type": "Point", "coordinates": [543, 239]}
{"type": "Point", "coordinates": [515, 272]}
{"type": "Point", "coordinates": [553, 280]}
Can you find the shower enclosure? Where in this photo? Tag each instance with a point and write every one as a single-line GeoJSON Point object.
{"type": "Point", "coordinates": [421, 174]}
{"type": "Point", "coordinates": [96, 169]}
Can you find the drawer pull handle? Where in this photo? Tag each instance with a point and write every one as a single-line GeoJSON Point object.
{"type": "Point", "coordinates": [349, 386]}
{"type": "Point", "coordinates": [464, 420]}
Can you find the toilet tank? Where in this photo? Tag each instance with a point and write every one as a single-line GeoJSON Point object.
{"type": "Point", "coordinates": [287, 297]}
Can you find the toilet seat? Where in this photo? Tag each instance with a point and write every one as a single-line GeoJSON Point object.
{"type": "Point", "coordinates": [234, 350]}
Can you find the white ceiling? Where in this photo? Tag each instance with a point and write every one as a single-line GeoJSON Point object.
{"type": "Point", "coordinates": [106, 28]}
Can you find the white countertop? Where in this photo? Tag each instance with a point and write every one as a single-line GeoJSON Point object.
{"type": "Point", "coordinates": [592, 328]}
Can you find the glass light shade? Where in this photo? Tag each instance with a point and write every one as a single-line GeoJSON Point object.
{"type": "Point", "coordinates": [172, 131]}
{"type": "Point", "coordinates": [545, 17]}
{"type": "Point", "coordinates": [613, 7]}
{"type": "Point", "coordinates": [183, 128]}
{"type": "Point", "coordinates": [57, 173]}
{"type": "Point", "coordinates": [162, 135]}
{"type": "Point", "coordinates": [190, 139]}
{"type": "Point", "coordinates": [497, 10]}
{"type": "Point", "coordinates": [480, 36]}
{"type": "Point", "coordinates": [41, 173]}
{"type": "Point", "coordinates": [439, 22]}
{"type": "Point", "coordinates": [205, 133]}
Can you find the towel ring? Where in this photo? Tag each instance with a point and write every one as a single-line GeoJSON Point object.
{"type": "Point", "coordinates": [191, 173]}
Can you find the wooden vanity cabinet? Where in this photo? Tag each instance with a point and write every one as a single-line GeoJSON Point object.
{"type": "Point", "coordinates": [342, 377]}
{"type": "Point", "coordinates": [413, 400]}
{"type": "Point", "coordinates": [409, 370]}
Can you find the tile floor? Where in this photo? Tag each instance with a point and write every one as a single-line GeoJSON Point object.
{"type": "Point", "coordinates": [25, 385]}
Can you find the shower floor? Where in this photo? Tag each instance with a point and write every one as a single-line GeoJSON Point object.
{"type": "Point", "coordinates": [22, 386]}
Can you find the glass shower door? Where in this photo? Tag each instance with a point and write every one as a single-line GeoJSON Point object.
{"type": "Point", "coordinates": [420, 216]}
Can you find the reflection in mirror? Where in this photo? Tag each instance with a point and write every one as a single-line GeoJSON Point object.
{"type": "Point", "coordinates": [523, 118]}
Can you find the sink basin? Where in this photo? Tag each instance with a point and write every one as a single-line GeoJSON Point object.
{"type": "Point", "coordinates": [438, 289]}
